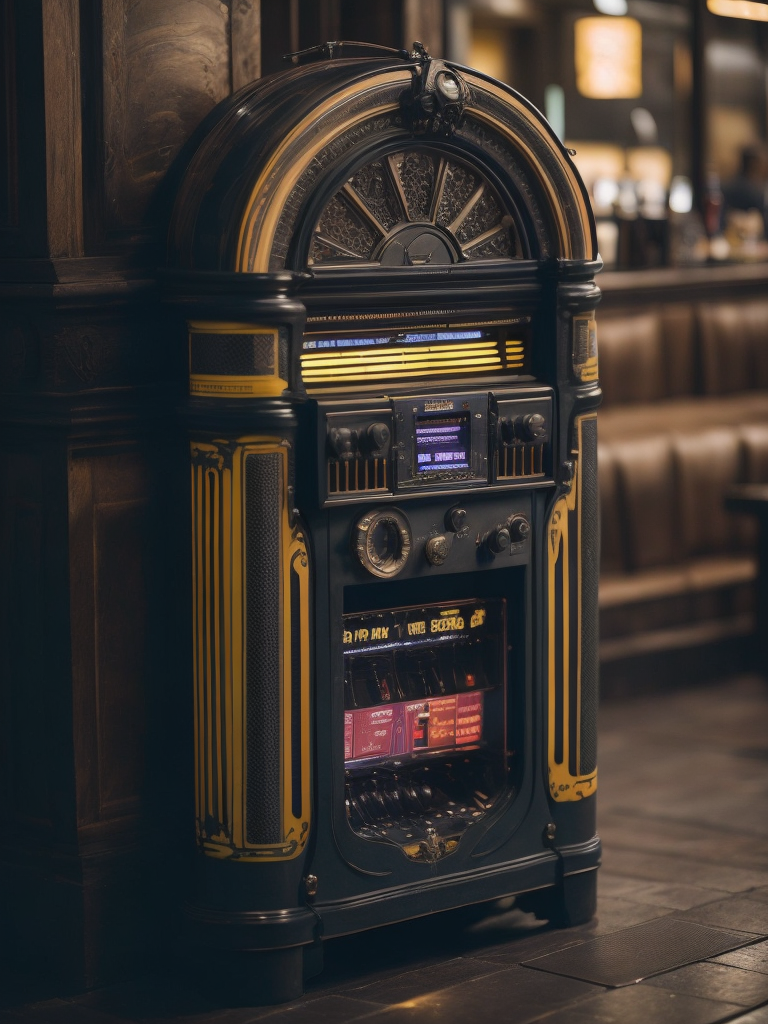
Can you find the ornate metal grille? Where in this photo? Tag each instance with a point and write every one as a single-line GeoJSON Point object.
{"type": "Point", "coordinates": [374, 218]}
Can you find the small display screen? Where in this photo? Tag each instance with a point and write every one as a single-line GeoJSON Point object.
{"type": "Point", "coordinates": [442, 442]}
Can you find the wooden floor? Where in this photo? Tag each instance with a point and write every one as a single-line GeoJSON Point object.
{"type": "Point", "coordinates": [683, 800]}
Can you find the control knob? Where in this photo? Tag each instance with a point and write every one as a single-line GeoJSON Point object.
{"type": "Point", "coordinates": [507, 430]}
{"type": "Point", "coordinates": [342, 442]}
{"type": "Point", "coordinates": [377, 436]}
{"type": "Point", "coordinates": [437, 549]}
{"type": "Point", "coordinates": [534, 426]}
{"type": "Point", "coordinates": [498, 540]}
{"type": "Point", "coordinates": [518, 528]}
{"type": "Point", "coordinates": [456, 519]}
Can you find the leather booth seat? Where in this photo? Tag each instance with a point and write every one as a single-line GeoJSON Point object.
{"type": "Point", "coordinates": [685, 416]}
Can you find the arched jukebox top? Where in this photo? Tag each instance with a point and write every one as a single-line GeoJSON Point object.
{"type": "Point", "coordinates": [371, 163]}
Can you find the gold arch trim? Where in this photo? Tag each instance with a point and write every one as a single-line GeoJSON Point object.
{"type": "Point", "coordinates": [263, 209]}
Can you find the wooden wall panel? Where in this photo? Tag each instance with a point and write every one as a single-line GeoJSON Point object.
{"type": "Point", "coordinates": [380, 22]}
{"type": "Point", "coordinates": [95, 744]}
{"type": "Point", "coordinates": [122, 546]}
{"type": "Point", "coordinates": [61, 75]}
{"type": "Point", "coordinates": [423, 21]}
{"type": "Point", "coordinates": [9, 155]}
{"type": "Point", "coordinates": [163, 67]}
{"type": "Point", "coordinates": [25, 771]}
{"type": "Point", "coordinates": [245, 42]}
{"type": "Point", "coordinates": [122, 555]}
{"type": "Point", "coordinates": [111, 562]}
{"type": "Point", "coordinates": [36, 779]}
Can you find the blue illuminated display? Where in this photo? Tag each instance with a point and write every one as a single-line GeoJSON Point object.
{"type": "Point", "coordinates": [396, 339]}
{"type": "Point", "coordinates": [442, 442]}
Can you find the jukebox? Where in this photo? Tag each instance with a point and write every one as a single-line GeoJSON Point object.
{"type": "Point", "coordinates": [386, 265]}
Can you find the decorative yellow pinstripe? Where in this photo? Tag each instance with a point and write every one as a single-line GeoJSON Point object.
{"type": "Point", "coordinates": [219, 603]}
{"type": "Point", "coordinates": [565, 549]}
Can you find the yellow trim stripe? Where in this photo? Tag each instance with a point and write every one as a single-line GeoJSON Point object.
{"type": "Point", "coordinates": [220, 604]}
{"type": "Point", "coordinates": [221, 386]}
{"type": "Point", "coordinates": [563, 785]}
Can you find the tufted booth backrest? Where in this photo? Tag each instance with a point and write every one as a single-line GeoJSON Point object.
{"type": "Point", "coordinates": [685, 416]}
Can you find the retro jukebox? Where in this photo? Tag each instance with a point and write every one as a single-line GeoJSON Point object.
{"type": "Point", "coordinates": [386, 266]}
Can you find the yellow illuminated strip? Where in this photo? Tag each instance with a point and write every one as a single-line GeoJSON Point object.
{"type": "Point", "coordinates": [515, 353]}
{"type": "Point", "coordinates": [363, 372]}
{"type": "Point", "coordinates": [394, 363]}
{"type": "Point", "coordinates": [364, 354]}
{"type": "Point", "coordinates": [414, 362]}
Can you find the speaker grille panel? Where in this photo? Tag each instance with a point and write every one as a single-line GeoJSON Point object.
{"type": "Point", "coordinates": [590, 560]}
{"type": "Point", "coordinates": [263, 493]}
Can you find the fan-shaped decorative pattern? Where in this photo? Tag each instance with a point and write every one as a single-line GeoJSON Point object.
{"type": "Point", "coordinates": [381, 206]}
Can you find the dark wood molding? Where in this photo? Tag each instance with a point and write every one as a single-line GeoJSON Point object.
{"type": "Point", "coordinates": [9, 151]}
{"type": "Point", "coordinates": [109, 570]}
{"type": "Point", "coordinates": [63, 127]}
{"type": "Point", "coordinates": [423, 21]}
{"type": "Point", "coordinates": [245, 42]}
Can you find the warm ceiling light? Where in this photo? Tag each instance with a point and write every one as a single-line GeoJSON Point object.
{"type": "Point", "coordinates": [748, 9]}
{"type": "Point", "coordinates": [609, 58]}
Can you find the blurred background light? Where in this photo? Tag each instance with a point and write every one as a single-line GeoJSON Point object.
{"type": "Point", "coordinates": [616, 7]}
{"type": "Point", "coordinates": [681, 195]}
{"type": "Point", "coordinates": [750, 10]}
{"type": "Point", "coordinates": [554, 109]}
{"type": "Point", "coordinates": [608, 53]}
{"type": "Point", "coordinates": [644, 124]}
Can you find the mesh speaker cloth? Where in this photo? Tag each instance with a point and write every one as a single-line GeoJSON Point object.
{"type": "Point", "coordinates": [590, 562]}
{"type": "Point", "coordinates": [263, 494]}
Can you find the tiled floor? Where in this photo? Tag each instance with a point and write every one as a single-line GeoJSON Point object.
{"type": "Point", "coordinates": [683, 813]}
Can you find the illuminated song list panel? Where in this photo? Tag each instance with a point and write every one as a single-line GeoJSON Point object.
{"type": "Point", "coordinates": [411, 727]}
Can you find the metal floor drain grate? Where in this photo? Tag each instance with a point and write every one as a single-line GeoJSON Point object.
{"type": "Point", "coordinates": [628, 956]}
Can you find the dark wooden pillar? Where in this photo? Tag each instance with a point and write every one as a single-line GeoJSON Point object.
{"type": "Point", "coordinates": [99, 99]}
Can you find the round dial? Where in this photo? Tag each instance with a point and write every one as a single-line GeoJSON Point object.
{"type": "Point", "coordinates": [382, 541]}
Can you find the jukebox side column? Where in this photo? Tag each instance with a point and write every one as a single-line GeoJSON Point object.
{"type": "Point", "coordinates": [251, 655]}
{"type": "Point", "coordinates": [571, 556]}
{"type": "Point", "coordinates": [250, 615]}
